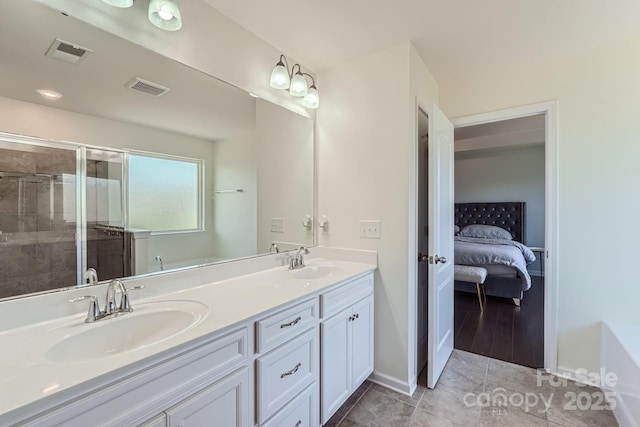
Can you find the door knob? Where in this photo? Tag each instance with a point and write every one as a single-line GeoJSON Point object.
{"type": "Point", "coordinates": [423, 258]}
{"type": "Point", "coordinates": [440, 259]}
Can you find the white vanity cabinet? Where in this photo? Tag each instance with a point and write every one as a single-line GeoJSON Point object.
{"type": "Point", "coordinates": [346, 343]}
{"type": "Point", "coordinates": [291, 366]}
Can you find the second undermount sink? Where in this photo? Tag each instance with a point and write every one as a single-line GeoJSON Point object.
{"type": "Point", "coordinates": [311, 272]}
{"type": "Point", "coordinates": [148, 324]}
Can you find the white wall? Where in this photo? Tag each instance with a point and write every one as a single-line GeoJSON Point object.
{"type": "Point", "coordinates": [24, 118]}
{"type": "Point", "coordinates": [505, 175]}
{"type": "Point", "coordinates": [597, 92]}
{"type": "Point", "coordinates": [234, 215]}
{"type": "Point", "coordinates": [365, 144]}
{"type": "Point", "coordinates": [284, 147]}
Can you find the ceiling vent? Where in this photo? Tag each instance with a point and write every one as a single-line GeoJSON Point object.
{"type": "Point", "coordinates": [145, 86]}
{"type": "Point", "coordinates": [67, 52]}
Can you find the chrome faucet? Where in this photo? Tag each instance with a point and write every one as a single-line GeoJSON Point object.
{"type": "Point", "coordinates": [111, 309]}
{"type": "Point", "coordinates": [273, 246]}
{"type": "Point", "coordinates": [110, 301]}
{"type": "Point", "coordinates": [297, 261]}
{"type": "Point", "coordinates": [91, 275]}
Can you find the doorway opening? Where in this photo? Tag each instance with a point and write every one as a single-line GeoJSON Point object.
{"type": "Point", "coordinates": [438, 320]}
{"type": "Point", "coordinates": [500, 182]}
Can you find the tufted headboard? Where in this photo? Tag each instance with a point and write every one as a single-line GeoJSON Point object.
{"type": "Point", "coordinates": [507, 215]}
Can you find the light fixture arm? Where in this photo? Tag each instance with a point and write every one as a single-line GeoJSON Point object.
{"type": "Point", "coordinates": [286, 63]}
{"type": "Point", "coordinates": [294, 67]}
{"type": "Point", "coordinates": [313, 81]}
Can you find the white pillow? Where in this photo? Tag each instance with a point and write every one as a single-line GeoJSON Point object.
{"type": "Point", "coordinates": [485, 232]}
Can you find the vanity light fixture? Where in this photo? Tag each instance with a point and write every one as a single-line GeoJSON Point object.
{"type": "Point", "coordinates": [49, 94]}
{"type": "Point", "coordinates": [165, 14]}
{"type": "Point", "coordinates": [295, 82]}
{"type": "Point", "coordinates": [119, 3]}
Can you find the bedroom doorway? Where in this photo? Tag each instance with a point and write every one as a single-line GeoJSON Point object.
{"type": "Point", "coordinates": [549, 267]}
{"type": "Point", "coordinates": [500, 193]}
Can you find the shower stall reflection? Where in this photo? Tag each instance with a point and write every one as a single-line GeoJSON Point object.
{"type": "Point", "coordinates": [47, 236]}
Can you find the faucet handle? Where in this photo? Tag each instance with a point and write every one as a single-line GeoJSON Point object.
{"type": "Point", "coordinates": [125, 305]}
{"type": "Point", "coordinates": [94, 309]}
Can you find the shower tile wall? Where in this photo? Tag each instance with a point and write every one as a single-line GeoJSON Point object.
{"type": "Point", "coordinates": [37, 220]}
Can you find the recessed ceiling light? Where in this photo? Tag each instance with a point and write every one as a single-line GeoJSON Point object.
{"type": "Point", "coordinates": [49, 94]}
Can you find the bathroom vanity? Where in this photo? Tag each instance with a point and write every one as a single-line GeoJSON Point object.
{"type": "Point", "coordinates": [276, 347]}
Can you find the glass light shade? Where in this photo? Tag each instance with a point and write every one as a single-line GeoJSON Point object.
{"type": "Point", "coordinates": [298, 85]}
{"type": "Point", "coordinates": [165, 14]}
{"type": "Point", "coordinates": [280, 77]}
{"type": "Point", "coordinates": [312, 98]}
{"type": "Point", "coordinates": [119, 3]}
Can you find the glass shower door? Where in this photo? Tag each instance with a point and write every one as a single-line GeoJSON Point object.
{"type": "Point", "coordinates": [37, 218]}
{"type": "Point", "coordinates": [106, 242]}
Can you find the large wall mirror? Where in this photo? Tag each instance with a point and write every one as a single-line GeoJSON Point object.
{"type": "Point", "coordinates": [142, 165]}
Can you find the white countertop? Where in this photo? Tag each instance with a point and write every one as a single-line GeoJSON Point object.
{"type": "Point", "coordinates": [27, 377]}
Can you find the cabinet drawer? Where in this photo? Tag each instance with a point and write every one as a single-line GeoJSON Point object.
{"type": "Point", "coordinates": [285, 372]}
{"type": "Point", "coordinates": [301, 412]}
{"type": "Point", "coordinates": [337, 299]}
{"type": "Point", "coordinates": [284, 325]}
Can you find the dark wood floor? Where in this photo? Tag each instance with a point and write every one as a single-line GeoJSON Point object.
{"type": "Point", "coordinates": [503, 331]}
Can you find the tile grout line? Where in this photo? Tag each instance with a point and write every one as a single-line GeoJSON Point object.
{"type": "Point", "coordinates": [354, 404]}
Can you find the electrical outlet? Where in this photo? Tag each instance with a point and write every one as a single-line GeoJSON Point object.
{"type": "Point", "coordinates": [370, 229]}
{"type": "Point", "coordinates": [277, 225]}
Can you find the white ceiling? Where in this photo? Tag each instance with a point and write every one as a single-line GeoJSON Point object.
{"type": "Point", "coordinates": [197, 104]}
{"type": "Point", "coordinates": [453, 37]}
{"type": "Point", "coordinates": [517, 133]}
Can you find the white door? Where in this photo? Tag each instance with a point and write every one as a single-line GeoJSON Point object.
{"type": "Point", "coordinates": [335, 370]}
{"type": "Point", "coordinates": [223, 404]}
{"type": "Point", "coordinates": [362, 342]}
{"type": "Point", "coordinates": [440, 237]}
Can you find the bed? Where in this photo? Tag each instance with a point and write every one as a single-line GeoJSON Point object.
{"type": "Point", "coordinates": [505, 260]}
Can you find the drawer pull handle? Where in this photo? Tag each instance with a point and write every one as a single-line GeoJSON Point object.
{"type": "Point", "coordinates": [350, 318]}
{"type": "Point", "coordinates": [293, 322]}
{"type": "Point", "coordinates": [299, 423]}
{"type": "Point", "coordinates": [357, 315]}
{"type": "Point", "coordinates": [291, 372]}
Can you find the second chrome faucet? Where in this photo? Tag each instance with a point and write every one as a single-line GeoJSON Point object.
{"type": "Point", "coordinates": [297, 261]}
{"type": "Point", "coordinates": [111, 307]}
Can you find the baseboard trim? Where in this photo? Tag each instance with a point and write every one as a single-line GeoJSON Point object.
{"type": "Point", "coordinates": [393, 383]}
{"type": "Point", "coordinates": [623, 414]}
{"type": "Point", "coordinates": [571, 374]}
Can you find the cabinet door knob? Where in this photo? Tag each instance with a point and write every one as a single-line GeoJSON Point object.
{"type": "Point", "coordinates": [357, 315]}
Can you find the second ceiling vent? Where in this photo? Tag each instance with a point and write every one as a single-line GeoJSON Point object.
{"type": "Point", "coordinates": [67, 52]}
{"type": "Point", "coordinates": [145, 86]}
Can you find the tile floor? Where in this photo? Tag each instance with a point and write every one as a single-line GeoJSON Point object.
{"type": "Point", "coordinates": [473, 391]}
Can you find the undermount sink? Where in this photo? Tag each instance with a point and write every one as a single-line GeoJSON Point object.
{"type": "Point", "coordinates": [311, 272]}
{"type": "Point", "coordinates": [148, 324]}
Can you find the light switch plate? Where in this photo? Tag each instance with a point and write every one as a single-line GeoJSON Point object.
{"type": "Point", "coordinates": [277, 225]}
{"type": "Point", "coordinates": [370, 229]}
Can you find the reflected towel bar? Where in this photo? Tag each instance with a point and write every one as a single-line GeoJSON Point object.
{"type": "Point", "coordinates": [239, 190]}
